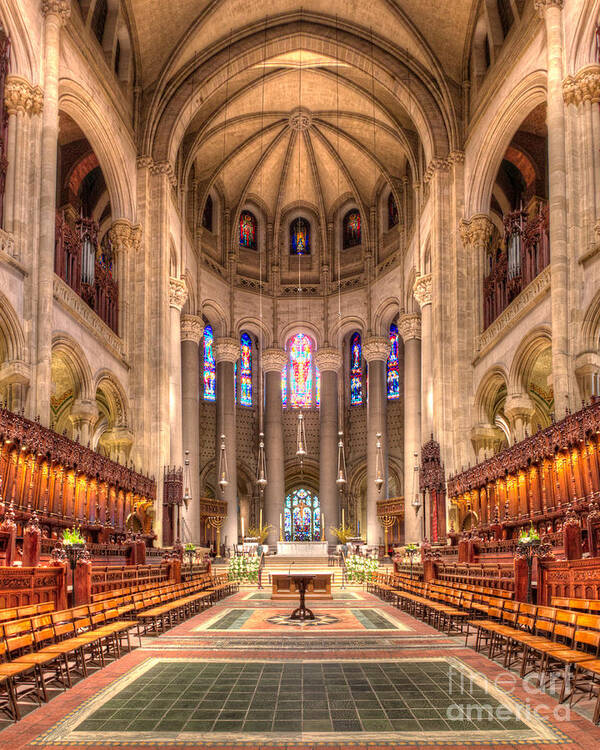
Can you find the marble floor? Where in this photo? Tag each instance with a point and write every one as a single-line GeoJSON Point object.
{"type": "Point", "coordinates": [238, 676]}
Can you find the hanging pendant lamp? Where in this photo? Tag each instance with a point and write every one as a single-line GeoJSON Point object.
{"type": "Point", "coordinates": [301, 437]}
{"type": "Point", "coordinates": [261, 468]}
{"type": "Point", "coordinates": [223, 472]}
{"type": "Point", "coordinates": [341, 467]}
{"type": "Point", "coordinates": [187, 495]}
{"type": "Point", "coordinates": [379, 482]}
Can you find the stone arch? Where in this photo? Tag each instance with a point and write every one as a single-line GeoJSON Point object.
{"type": "Point", "coordinates": [86, 112]}
{"type": "Point", "coordinates": [23, 59]}
{"type": "Point", "coordinates": [345, 326]}
{"type": "Point", "coordinates": [488, 394]}
{"type": "Point", "coordinates": [525, 356]}
{"type": "Point", "coordinates": [292, 329]}
{"type": "Point", "coordinates": [387, 311]}
{"type": "Point", "coordinates": [527, 95]}
{"type": "Point", "coordinates": [258, 329]}
{"type": "Point", "coordinates": [72, 382]}
{"type": "Point", "coordinates": [12, 339]}
{"type": "Point", "coordinates": [116, 399]}
{"type": "Point", "coordinates": [583, 45]}
{"type": "Point", "coordinates": [411, 306]}
{"type": "Point", "coordinates": [590, 330]}
{"type": "Point", "coordinates": [75, 360]}
{"type": "Point", "coordinates": [214, 314]}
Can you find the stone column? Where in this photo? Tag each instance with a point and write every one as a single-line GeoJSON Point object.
{"type": "Point", "coordinates": [273, 362]}
{"type": "Point", "coordinates": [192, 329]}
{"type": "Point", "coordinates": [227, 352]}
{"type": "Point", "coordinates": [376, 350]}
{"type": "Point", "coordinates": [422, 292]}
{"type": "Point", "coordinates": [518, 409]}
{"type": "Point", "coordinates": [476, 234]}
{"type": "Point", "coordinates": [551, 11]}
{"type": "Point", "coordinates": [84, 414]}
{"type": "Point", "coordinates": [55, 13]}
{"type": "Point", "coordinates": [177, 298]}
{"type": "Point", "coordinates": [125, 239]}
{"type": "Point", "coordinates": [329, 362]}
{"type": "Point", "coordinates": [409, 327]}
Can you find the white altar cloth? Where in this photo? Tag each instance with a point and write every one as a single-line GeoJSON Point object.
{"type": "Point", "coordinates": [302, 549]}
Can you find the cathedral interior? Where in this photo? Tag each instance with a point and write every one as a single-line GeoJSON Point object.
{"type": "Point", "coordinates": [299, 284]}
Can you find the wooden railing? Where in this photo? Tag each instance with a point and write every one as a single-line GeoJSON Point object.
{"type": "Point", "coordinates": [21, 586]}
{"type": "Point", "coordinates": [524, 253]}
{"type": "Point", "coordinates": [576, 579]}
{"type": "Point", "coordinates": [491, 575]}
{"type": "Point", "coordinates": [109, 577]}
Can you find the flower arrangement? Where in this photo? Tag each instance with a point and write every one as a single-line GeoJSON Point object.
{"type": "Point", "coordinates": [243, 568]}
{"type": "Point", "coordinates": [72, 537]}
{"type": "Point", "coordinates": [360, 569]}
{"type": "Point", "coordinates": [189, 548]}
{"type": "Point", "coordinates": [260, 532]}
{"type": "Point", "coordinates": [342, 532]}
{"type": "Point", "coordinates": [530, 536]}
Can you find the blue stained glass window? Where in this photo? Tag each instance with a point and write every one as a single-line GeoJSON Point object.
{"type": "Point", "coordinates": [299, 237]}
{"type": "Point", "coordinates": [393, 366]}
{"type": "Point", "coordinates": [356, 386]}
{"type": "Point", "coordinates": [351, 229]}
{"type": "Point", "coordinates": [210, 368]}
{"type": "Point", "coordinates": [317, 386]}
{"type": "Point", "coordinates": [245, 370]}
{"type": "Point", "coordinates": [284, 388]}
{"type": "Point", "coordinates": [248, 230]}
{"type": "Point", "coordinates": [302, 516]}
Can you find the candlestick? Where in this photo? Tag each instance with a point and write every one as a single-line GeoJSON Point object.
{"type": "Point", "coordinates": [343, 517]}
{"type": "Point", "coordinates": [260, 521]}
{"type": "Point", "coordinates": [280, 527]}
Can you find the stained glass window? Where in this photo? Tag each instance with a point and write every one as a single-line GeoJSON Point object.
{"type": "Point", "coordinates": [245, 370]}
{"type": "Point", "coordinates": [210, 375]}
{"type": "Point", "coordinates": [248, 230]}
{"type": "Point", "coordinates": [393, 366]}
{"type": "Point", "coordinates": [299, 237]}
{"type": "Point", "coordinates": [317, 386]}
{"type": "Point", "coordinates": [207, 214]}
{"type": "Point", "coordinates": [356, 387]}
{"type": "Point", "coordinates": [351, 229]}
{"type": "Point", "coordinates": [301, 372]}
{"type": "Point", "coordinates": [284, 388]}
{"type": "Point", "coordinates": [302, 516]}
{"type": "Point", "coordinates": [392, 211]}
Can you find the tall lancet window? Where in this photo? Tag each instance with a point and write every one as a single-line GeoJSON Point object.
{"type": "Point", "coordinates": [351, 229]}
{"type": "Point", "coordinates": [392, 211]}
{"type": "Point", "coordinates": [248, 230]}
{"type": "Point", "coordinates": [299, 237]}
{"type": "Point", "coordinates": [245, 370]}
{"type": "Point", "coordinates": [301, 371]}
{"type": "Point", "coordinates": [393, 366]}
{"type": "Point", "coordinates": [210, 367]}
{"type": "Point", "coordinates": [356, 385]}
{"type": "Point", "coordinates": [284, 386]}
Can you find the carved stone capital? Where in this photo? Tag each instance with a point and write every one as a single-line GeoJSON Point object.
{"type": "Point", "coordinates": [376, 348]}
{"type": "Point", "coordinates": [486, 438]}
{"type": "Point", "coordinates": [83, 410]}
{"type": "Point", "coordinates": [422, 290]}
{"type": "Point", "coordinates": [177, 293]}
{"type": "Point", "coordinates": [435, 166]}
{"type": "Point", "coordinates": [409, 326]}
{"type": "Point", "coordinates": [60, 8]}
{"type": "Point", "coordinates": [164, 168]}
{"type": "Point", "coordinates": [124, 235]}
{"type": "Point", "coordinates": [328, 359]}
{"type": "Point", "coordinates": [543, 5]}
{"type": "Point", "coordinates": [518, 406]}
{"type": "Point", "coordinates": [477, 231]}
{"type": "Point", "coordinates": [192, 328]}
{"type": "Point", "coordinates": [21, 96]}
{"type": "Point", "coordinates": [227, 350]}
{"type": "Point", "coordinates": [15, 372]}
{"type": "Point", "coordinates": [144, 162]}
{"type": "Point", "coordinates": [584, 86]}
{"type": "Point", "coordinates": [456, 157]}
{"type": "Point", "coordinates": [274, 360]}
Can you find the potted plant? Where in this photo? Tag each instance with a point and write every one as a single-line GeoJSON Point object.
{"type": "Point", "coordinates": [190, 551]}
{"type": "Point", "coordinates": [528, 547]}
{"type": "Point", "coordinates": [360, 569]}
{"type": "Point", "coordinates": [74, 545]}
{"type": "Point", "coordinates": [260, 532]}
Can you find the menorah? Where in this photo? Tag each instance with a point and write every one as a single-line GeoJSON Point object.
{"type": "Point", "coordinates": [217, 523]}
{"type": "Point", "coordinates": [387, 522]}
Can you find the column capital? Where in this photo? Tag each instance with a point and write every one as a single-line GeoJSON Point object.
{"type": "Point", "coordinates": [164, 168]}
{"type": "Point", "coordinates": [409, 326]}
{"type": "Point", "coordinates": [227, 349]}
{"type": "Point", "coordinates": [436, 166]}
{"type": "Point", "coordinates": [83, 410]}
{"type": "Point", "coordinates": [192, 328]}
{"type": "Point", "coordinates": [543, 5]}
{"type": "Point", "coordinates": [477, 231]}
{"type": "Point", "coordinates": [376, 348]}
{"type": "Point", "coordinates": [274, 360]}
{"type": "Point", "coordinates": [422, 290]}
{"type": "Point", "coordinates": [124, 235]}
{"type": "Point", "coordinates": [60, 8]}
{"type": "Point", "coordinates": [22, 96]}
{"type": "Point", "coordinates": [177, 293]}
{"type": "Point", "coordinates": [584, 86]}
{"type": "Point", "coordinates": [328, 358]}
{"type": "Point", "coordinates": [518, 405]}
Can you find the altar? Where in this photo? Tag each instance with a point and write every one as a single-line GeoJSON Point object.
{"type": "Point", "coordinates": [318, 587]}
{"type": "Point", "coordinates": [302, 549]}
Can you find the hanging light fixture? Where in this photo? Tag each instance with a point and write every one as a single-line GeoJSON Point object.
{"type": "Point", "coordinates": [187, 495]}
{"type": "Point", "coordinates": [301, 437]}
{"type": "Point", "coordinates": [261, 468]}
{"type": "Point", "coordinates": [379, 481]}
{"type": "Point", "coordinates": [341, 465]}
{"type": "Point", "coordinates": [223, 473]}
{"type": "Point", "coordinates": [416, 501]}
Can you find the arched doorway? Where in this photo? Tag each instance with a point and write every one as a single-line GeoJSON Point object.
{"type": "Point", "coordinates": [302, 516]}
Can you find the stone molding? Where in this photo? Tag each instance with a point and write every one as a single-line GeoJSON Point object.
{"type": "Point", "coordinates": [542, 5]}
{"type": "Point", "coordinates": [477, 231]}
{"type": "Point", "coordinates": [192, 328]}
{"type": "Point", "coordinates": [456, 157]}
{"type": "Point", "coordinates": [22, 96]}
{"type": "Point", "coordinates": [124, 235]}
{"type": "Point", "coordinates": [15, 371]}
{"type": "Point", "coordinates": [60, 8]}
{"type": "Point", "coordinates": [84, 314]}
{"type": "Point", "coordinates": [376, 348]}
{"type": "Point", "coordinates": [177, 293]}
{"type": "Point", "coordinates": [584, 86]}
{"type": "Point", "coordinates": [164, 168]}
{"type": "Point", "coordinates": [422, 290]}
{"type": "Point", "coordinates": [328, 359]}
{"type": "Point", "coordinates": [274, 360]}
{"type": "Point", "coordinates": [7, 243]}
{"type": "Point", "coordinates": [522, 303]}
{"type": "Point", "coordinates": [409, 326]}
{"type": "Point", "coordinates": [227, 350]}
{"type": "Point", "coordinates": [436, 165]}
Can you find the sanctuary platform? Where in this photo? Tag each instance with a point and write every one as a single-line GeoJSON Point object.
{"type": "Point", "coordinates": [302, 549]}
